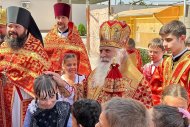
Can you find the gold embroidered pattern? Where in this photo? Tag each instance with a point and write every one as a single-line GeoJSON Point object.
{"type": "Point", "coordinates": [173, 76]}
{"type": "Point", "coordinates": [24, 53]}
{"type": "Point", "coordinates": [21, 68]}
{"type": "Point", "coordinates": [56, 46]}
{"type": "Point", "coordinates": [114, 33]}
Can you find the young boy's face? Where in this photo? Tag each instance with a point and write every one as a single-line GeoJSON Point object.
{"type": "Point", "coordinates": [173, 43]}
{"type": "Point", "coordinates": [155, 53]}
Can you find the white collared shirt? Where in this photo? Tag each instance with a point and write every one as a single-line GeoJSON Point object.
{"type": "Point", "coordinates": [63, 35]}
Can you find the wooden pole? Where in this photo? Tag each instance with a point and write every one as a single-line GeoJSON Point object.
{"type": "Point", "coordinates": [0, 3]}
{"type": "Point", "coordinates": [88, 26]}
{"type": "Point", "coordinates": [185, 8]}
{"type": "Point", "coordinates": [109, 9]}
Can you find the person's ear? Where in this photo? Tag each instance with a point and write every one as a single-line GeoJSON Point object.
{"type": "Point", "coordinates": [183, 38]}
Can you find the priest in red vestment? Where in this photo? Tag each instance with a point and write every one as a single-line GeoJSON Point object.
{"type": "Point", "coordinates": [63, 37]}
{"type": "Point", "coordinates": [175, 68]}
{"type": "Point", "coordinates": [22, 59]}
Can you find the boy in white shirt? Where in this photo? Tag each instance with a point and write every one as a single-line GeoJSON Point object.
{"type": "Point", "coordinates": [156, 52]}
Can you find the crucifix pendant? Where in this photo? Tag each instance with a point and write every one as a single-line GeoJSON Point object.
{"type": "Point", "coordinates": [4, 78]}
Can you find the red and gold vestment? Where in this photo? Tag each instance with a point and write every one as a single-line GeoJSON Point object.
{"type": "Point", "coordinates": [170, 72]}
{"type": "Point", "coordinates": [56, 46]}
{"type": "Point", "coordinates": [20, 68]}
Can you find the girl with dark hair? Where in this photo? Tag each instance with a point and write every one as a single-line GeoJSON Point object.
{"type": "Point", "coordinates": [45, 110]}
{"type": "Point", "coordinates": [70, 81]}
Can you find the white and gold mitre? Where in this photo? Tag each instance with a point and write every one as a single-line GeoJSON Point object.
{"type": "Point", "coordinates": [114, 33]}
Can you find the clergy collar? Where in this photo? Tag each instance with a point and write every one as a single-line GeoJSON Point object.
{"type": "Point", "coordinates": [176, 58]}
{"type": "Point", "coordinates": [67, 30]}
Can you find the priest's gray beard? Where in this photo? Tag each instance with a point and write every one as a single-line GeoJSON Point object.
{"type": "Point", "coordinates": [103, 68]}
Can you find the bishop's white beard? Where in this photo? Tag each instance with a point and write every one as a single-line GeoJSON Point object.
{"type": "Point", "coordinates": [103, 69]}
{"type": "Point", "coordinates": [100, 73]}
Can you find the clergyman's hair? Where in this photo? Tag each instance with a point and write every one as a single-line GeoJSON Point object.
{"type": "Point", "coordinates": [175, 27]}
{"type": "Point", "coordinates": [121, 112]}
{"type": "Point", "coordinates": [168, 116]}
{"type": "Point", "coordinates": [44, 86]}
{"type": "Point", "coordinates": [157, 43]}
{"type": "Point", "coordinates": [175, 90]}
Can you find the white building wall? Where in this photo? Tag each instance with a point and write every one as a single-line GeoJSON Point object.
{"type": "Point", "coordinates": [43, 13]}
{"type": "Point", "coordinates": [79, 14]}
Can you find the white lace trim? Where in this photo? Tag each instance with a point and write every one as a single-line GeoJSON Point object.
{"type": "Point", "coordinates": [32, 106]}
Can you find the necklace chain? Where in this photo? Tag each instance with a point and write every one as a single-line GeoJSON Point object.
{"type": "Point", "coordinates": [4, 72]}
{"type": "Point", "coordinates": [9, 63]}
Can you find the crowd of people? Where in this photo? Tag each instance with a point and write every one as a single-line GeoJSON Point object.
{"type": "Point", "coordinates": [49, 82]}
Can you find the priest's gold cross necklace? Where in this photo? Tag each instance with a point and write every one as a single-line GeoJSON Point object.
{"type": "Point", "coordinates": [4, 72]}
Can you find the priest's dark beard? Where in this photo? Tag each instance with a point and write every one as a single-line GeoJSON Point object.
{"type": "Point", "coordinates": [16, 43]}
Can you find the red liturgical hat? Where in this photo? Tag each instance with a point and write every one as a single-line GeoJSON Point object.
{"type": "Point", "coordinates": [62, 9]}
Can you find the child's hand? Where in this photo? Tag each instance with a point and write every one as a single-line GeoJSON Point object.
{"type": "Point", "coordinates": [61, 83]}
{"type": "Point", "coordinates": [56, 77]}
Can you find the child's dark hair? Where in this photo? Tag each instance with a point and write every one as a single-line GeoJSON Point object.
{"type": "Point", "coordinates": [167, 116]}
{"type": "Point", "coordinates": [86, 112]}
{"type": "Point", "coordinates": [44, 85]}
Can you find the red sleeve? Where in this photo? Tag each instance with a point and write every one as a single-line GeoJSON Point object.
{"type": "Point", "coordinates": [143, 94]}
{"type": "Point", "coordinates": [156, 84]}
{"type": "Point", "coordinates": [139, 63]}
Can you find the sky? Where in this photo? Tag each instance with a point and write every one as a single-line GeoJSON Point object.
{"type": "Point", "coordinates": [113, 2]}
